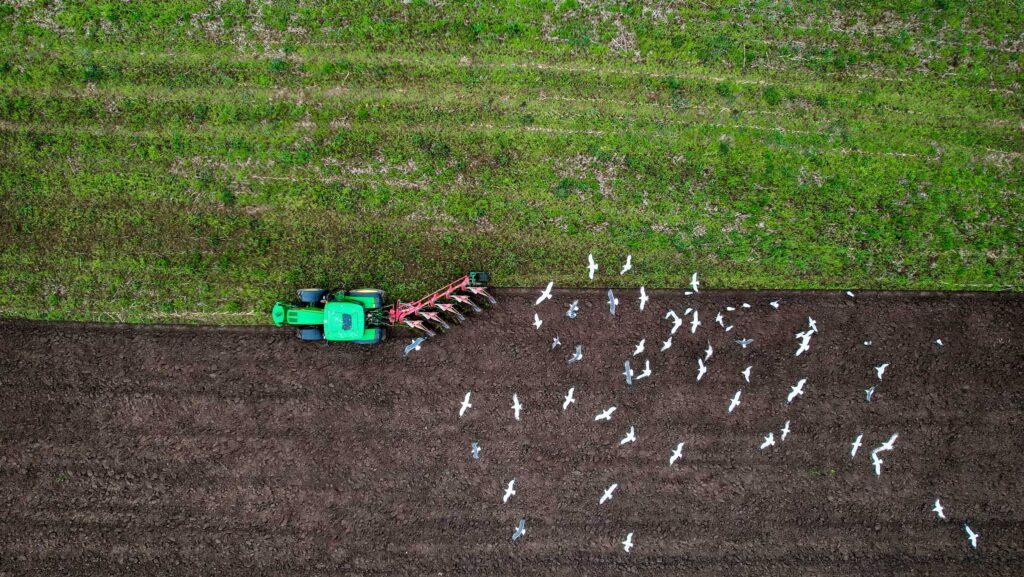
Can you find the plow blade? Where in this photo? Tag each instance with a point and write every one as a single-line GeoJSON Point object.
{"type": "Point", "coordinates": [435, 318]}
{"type": "Point", "coordinates": [420, 326]}
{"type": "Point", "coordinates": [466, 301]}
{"type": "Point", "coordinates": [450, 309]}
{"type": "Point", "coordinates": [482, 291]}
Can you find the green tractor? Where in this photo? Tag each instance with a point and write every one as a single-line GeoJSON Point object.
{"type": "Point", "coordinates": [360, 316]}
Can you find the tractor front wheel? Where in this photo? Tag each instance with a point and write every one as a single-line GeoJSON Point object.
{"type": "Point", "coordinates": [311, 295]}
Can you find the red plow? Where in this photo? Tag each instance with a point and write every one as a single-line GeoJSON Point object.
{"type": "Point", "coordinates": [429, 309]}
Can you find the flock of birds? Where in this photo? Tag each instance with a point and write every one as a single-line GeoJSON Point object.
{"type": "Point", "coordinates": [769, 440]}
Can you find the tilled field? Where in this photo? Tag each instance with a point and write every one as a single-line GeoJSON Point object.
{"type": "Point", "coordinates": [156, 450]}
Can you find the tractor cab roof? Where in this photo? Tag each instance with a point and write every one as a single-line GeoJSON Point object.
{"type": "Point", "coordinates": [343, 320]}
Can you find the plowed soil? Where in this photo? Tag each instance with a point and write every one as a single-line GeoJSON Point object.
{"type": "Point", "coordinates": [212, 451]}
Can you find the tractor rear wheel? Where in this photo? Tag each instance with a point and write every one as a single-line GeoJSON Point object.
{"type": "Point", "coordinates": [311, 295]}
{"type": "Point", "coordinates": [310, 334]}
{"type": "Point", "coordinates": [377, 294]}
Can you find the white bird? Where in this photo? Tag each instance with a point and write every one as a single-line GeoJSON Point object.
{"type": "Point", "coordinates": [676, 454]}
{"type": "Point", "coordinates": [639, 347]}
{"type": "Point", "coordinates": [536, 321]}
{"type": "Point", "coordinates": [746, 373]}
{"type": "Point", "coordinates": [880, 370]}
{"type": "Point", "coordinates": [630, 436]}
{"type": "Point", "coordinates": [728, 328]}
{"type": "Point", "coordinates": [708, 351]}
{"type": "Point", "coordinates": [938, 342]}
{"type": "Point", "coordinates": [805, 344]}
{"type": "Point", "coordinates": [509, 491]}
{"type": "Point", "coordinates": [516, 406]}
{"type": "Point", "coordinates": [938, 509]}
{"type": "Point", "coordinates": [687, 311]}
{"type": "Point", "coordinates": [694, 283]}
{"type": "Point", "coordinates": [643, 298]}
{"type": "Point", "coordinates": [813, 324]}
{"type": "Point", "coordinates": [612, 301]}
{"type": "Point", "coordinates": [888, 445]}
{"type": "Point", "coordinates": [545, 294]}
{"type": "Point", "coordinates": [745, 305]}
{"type": "Point", "coordinates": [574, 308]}
{"type": "Point", "coordinates": [666, 345]}
{"type": "Point", "coordinates": [785, 431]}
{"type": "Point", "coordinates": [720, 319]}
{"type": "Point", "coordinates": [971, 536]}
{"type": "Point", "coordinates": [796, 391]}
{"type": "Point", "coordinates": [877, 463]}
{"type": "Point", "coordinates": [744, 342]}
{"type": "Point", "coordinates": [414, 345]}
{"type": "Point", "coordinates": [701, 369]}
{"type": "Point", "coordinates": [671, 314]}
{"type": "Point", "coordinates": [849, 294]}
{"type": "Point", "coordinates": [868, 343]}
{"type": "Point", "coordinates": [568, 399]}
{"type": "Point", "coordinates": [735, 402]}
{"type": "Point", "coordinates": [694, 323]}
{"type": "Point", "coordinates": [577, 356]}
{"type": "Point", "coordinates": [730, 309]}
{"type": "Point", "coordinates": [555, 342]}
{"type": "Point", "coordinates": [628, 373]}
{"type": "Point", "coordinates": [606, 415]}
{"type": "Point", "coordinates": [465, 404]}
{"type": "Point", "coordinates": [855, 445]}
{"type": "Point", "coordinates": [647, 370]}
{"type": "Point", "coordinates": [607, 493]}
{"type": "Point", "coordinates": [775, 304]}
{"type": "Point", "coordinates": [476, 450]}
{"type": "Point", "coordinates": [868, 393]}
{"type": "Point", "coordinates": [628, 543]}
{"type": "Point", "coordinates": [520, 530]}
{"type": "Point", "coordinates": [676, 322]}
{"type": "Point", "coordinates": [592, 266]}
{"type": "Point", "coordinates": [628, 265]}
{"type": "Point", "coordinates": [769, 441]}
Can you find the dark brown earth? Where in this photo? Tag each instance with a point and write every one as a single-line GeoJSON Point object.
{"type": "Point", "coordinates": [219, 451]}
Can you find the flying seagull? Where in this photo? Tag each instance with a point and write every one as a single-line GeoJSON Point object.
{"type": "Point", "coordinates": [629, 373]}
{"type": "Point", "coordinates": [849, 294]}
{"type": "Point", "coordinates": [746, 373]}
{"type": "Point", "coordinates": [630, 436]}
{"type": "Point", "coordinates": [744, 342]}
{"type": "Point", "coordinates": [687, 311]}
{"type": "Point", "coordinates": [694, 323]}
{"type": "Point", "coordinates": [971, 536]}
{"type": "Point", "coordinates": [938, 509]}
{"type": "Point", "coordinates": [536, 321]}
{"type": "Point", "coordinates": [938, 342]}
{"type": "Point", "coordinates": [888, 445]}
{"type": "Point", "coordinates": [516, 406]}
{"type": "Point", "coordinates": [465, 404]}
{"type": "Point", "coordinates": [643, 298]}
{"type": "Point", "coordinates": [775, 304]}
{"type": "Point", "coordinates": [592, 266]}
{"type": "Point", "coordinates": [639, 347]}
{"type": "Point", "coordinates": [768, 441]}
{"type": "Point", "coordinates": [666, 345]}
{"type": "Point", "coordinates": [785, 431]}
{"type": "Point", "coordinates": [520, 530]}
{"type": "Point", "coordinates": [730, 309]}
{"type": "Point", "coordinates": [574, 307]}
{"type": "Point", "coordinates": [855, 445]}
{"type": "Point", "coordinates": [676, 321]}
{"type": "Point", "coordinates": [880, 370]}
{"type": "Point", "coordinates": [867, 343]}
{"type": "Point", "coordinates": [805, 344]}
{"type": "Point", "coordinates": [476, 451]}
{"type": "Point", "coordinates": [676, 454]}
{"type": "Point", "coordinates": [868, 393]}
{"type": "Point", "coordinates": [694, 283]}
{"type": "Point", "coordinates": [545, 294]}
{"type": "Point", "coordinates": [555, 342]}
{"type": "Point", "coordinates": [877, 463]}
{"type": "Point", "coordinates": [728, 328]}
{"type": "Point", "coordinates": [607, 493]}
{"type": "Point", "coordinates": [813, 324]}
{"type": "Point", "coordinates": [612, 301]}
{"type": "Point", "coordinates": [735, 402]}
{"type": "Point", "coordinates": [628, 543]}
{"type": "Point", "coordinates": [720, 319]}
{"type": "Point", "coordinates": [745, 305]}
{"type": "Point", "coordinates": [568, 399]}
{"type": "Point", "coordinates": [647, 370]}
{"type": "Point", "coordinates": [708, 351]}
{"type": "Point", "coordinates": [414, 345]}
{"type": "Point", "coordinates": [701, 369]}
{"type": "Point", "coordinates": [606, 415]}
{"type": "Point", "coordinates": [509, 491]}
{"type": "Point", "coordinates": [796, 391]}
{"type": "Point", "coordinates": [628, 265]}
{"type": "Point", "coordinates": [577, 356]}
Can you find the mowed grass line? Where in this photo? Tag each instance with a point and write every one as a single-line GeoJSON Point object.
{"type": "Point", "coordinates": [199, 176]}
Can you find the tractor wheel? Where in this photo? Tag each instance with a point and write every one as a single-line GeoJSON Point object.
{"type": "Point", "coordinates": [311, 295]}
{"type": "Point", "coordinates": [377, 294]}
{"type": "Point", "coordinates": [310, 334]}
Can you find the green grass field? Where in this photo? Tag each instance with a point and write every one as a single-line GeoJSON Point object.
{"type": "Point", "coordinates": [174, 161]}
